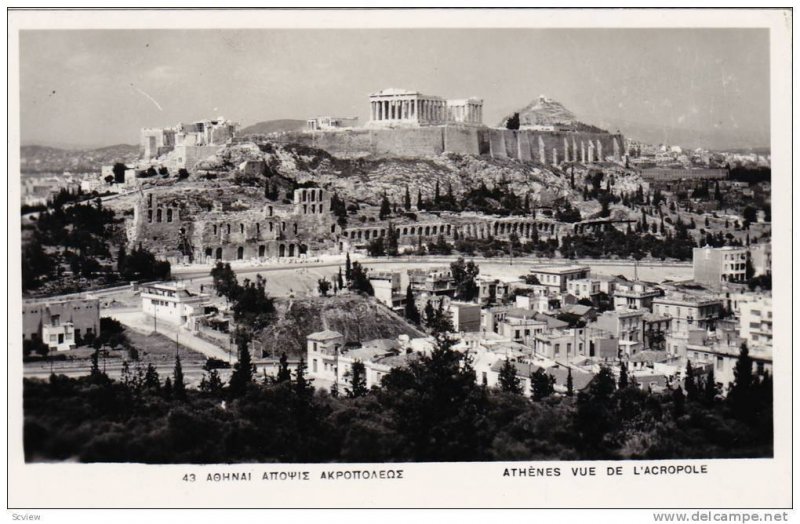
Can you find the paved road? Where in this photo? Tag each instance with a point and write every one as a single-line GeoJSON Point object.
{"type": "Point", "coordinates": [201, 273]}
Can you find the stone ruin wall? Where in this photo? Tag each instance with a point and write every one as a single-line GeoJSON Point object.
{"type": "Point", "coordinates": [164, 222]}
{"type": "Point", "coordinates": [526, 145]}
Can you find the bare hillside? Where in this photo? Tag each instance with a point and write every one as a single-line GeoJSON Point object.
{"type": "Point", "coordinates": [358, 318]}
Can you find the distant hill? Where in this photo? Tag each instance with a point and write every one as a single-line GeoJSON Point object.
{"type": "Point", "coordinates": [273, 126]}
{"type": "Point", "coordinates": [548, 112]}
{"type": "Point", "coordinates": [43, 159]}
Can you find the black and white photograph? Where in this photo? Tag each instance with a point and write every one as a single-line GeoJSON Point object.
{"type": "Point", "coordinates": [543, 250]}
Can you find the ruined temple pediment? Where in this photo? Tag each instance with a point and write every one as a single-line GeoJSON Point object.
{"type": "Point", "coordinates": [394, 91]}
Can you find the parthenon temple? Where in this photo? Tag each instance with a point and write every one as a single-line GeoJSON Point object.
{"type": "Point", "coordinates": [392, 107]}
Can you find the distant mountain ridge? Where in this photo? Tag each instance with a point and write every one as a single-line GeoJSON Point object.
{"type": "Point", "coordinates": [45, 159]}
{"type": "Point", "coordinates": [273, 126]}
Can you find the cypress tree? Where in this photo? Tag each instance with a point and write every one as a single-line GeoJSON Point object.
{"type": "Point", "coordinates": [284, 374]}
{"type": "Point", "coordinates": [570, 387]}
{"type": "Point", "coordinates": [412, 312]}
{"type": "Point", "coordinates": [623, 376]}
{"type": "Point", "coordinates": [167, 391]}
{"type": "Point", "coordinates": [710, 391]}
{"type": "Point", "coordinates": [358, 380]}
{"type": "Point", "coordinates": [302, 385]}
{"type": "Point", "coordinates": [689, 382]}
{"type": "Point", "coordinates": [151, 379]}
{"type": "Point", "coordinates": [678, 403]}
{"type": "Point", "coordinates": [347, 267]}
{"type": "Point", "coordinates": [741, 392]}
{"type": "Point", "coordinates": [244, 369]}
{"type": "Point", "coordinates": [430, 315]}
{"type": "Point", "coordinates": [407, 200]}
{"type": "Point", "coordinates": [178, 386]}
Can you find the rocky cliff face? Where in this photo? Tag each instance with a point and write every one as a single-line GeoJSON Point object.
{"type": "Point", "coordinates": [366, 180]}
{"type": "Point", "coordinates": [358, 318]}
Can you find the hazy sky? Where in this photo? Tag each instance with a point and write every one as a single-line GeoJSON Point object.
{"type": "Point", "coordinates": [93, 88]}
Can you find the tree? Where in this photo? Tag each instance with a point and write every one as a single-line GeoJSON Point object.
{"type": "Point", "coordinates": [407, 200]}
{"type": "Point", "coordinates": [690, 384]}
{"type": "Point", "coordinates": [339, 279]}
{"type": "Point", "coordinates": [358, 380]}
{"type": "Point", "coordinates": [570, 386]}
{"type": "Point", "coordinates": [347, 267]}
{"type": "Point", "coordinates": [252, 307]}
{"type": "Point", "coordinates": [710, 389]}
{"type": "Point", "coordinates": [178, 386]}
{"type": "Point", "coordinates": [386, 208]}
{"type": "Point", "coordinates": [323, 286]}
{"type": "Point", "coordinates": [284, 374]}
{"type": "Point", "coordinates": [302, 385]}
{"type": "Point", "coordinates": [359, 281]}
{"type": "Point", "coordinates": [412, 312]}
{"type": "Point", "coordinates": [36, 263]}
{"type": "Point", "coordinates": [430, 315]}
{"type": "Point", "coordinates": [419, 199]}
{"type": "Point", "coordinates": [464, 274]}
{"type": "Point", "coordinates": [391, 244]}
{"type": "Point", "coordinates": [211, 384]}
{"type": "Point", "coordinates": [436, 195]}
{"type": "Point", "coordinates": [119, 172]}
{"type": "Point", "coordinates": [243, 369]}
{"type": "Point", "coordinates": [678, 403]}
{"type": "Point", "coordinates": [513, 122]}
{"type": "Point", "coordinates": [166, 391]}
{"type": "Point", "coordinates": [509, 382]}
{"type": "Point", "coordinates": [542, 384]}
{"type": "Point", "coordinates": [94, 371]}
{"type": "Point", "coordinates": [741, 388]}
{"type": "Point", "coordinates": [224, 281]}
{"type": "Point", "coordinates": [151, 378]}
{"type": "Point", "coordinates": [623, 376]}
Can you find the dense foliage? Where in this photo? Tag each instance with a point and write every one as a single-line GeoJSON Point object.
{"type": "Point", "coordinates": [431, 410]}
{"type": "Point", "coordinates": [71, 244]}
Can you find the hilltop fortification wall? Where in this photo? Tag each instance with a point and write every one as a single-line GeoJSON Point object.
{"type": "Point", "coordinates": [546, 147]}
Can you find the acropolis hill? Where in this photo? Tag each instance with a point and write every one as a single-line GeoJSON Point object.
{"type": "Point", "coordinates": [410, 124]}
{"type": "Point", "coordinates": [246, 196]}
